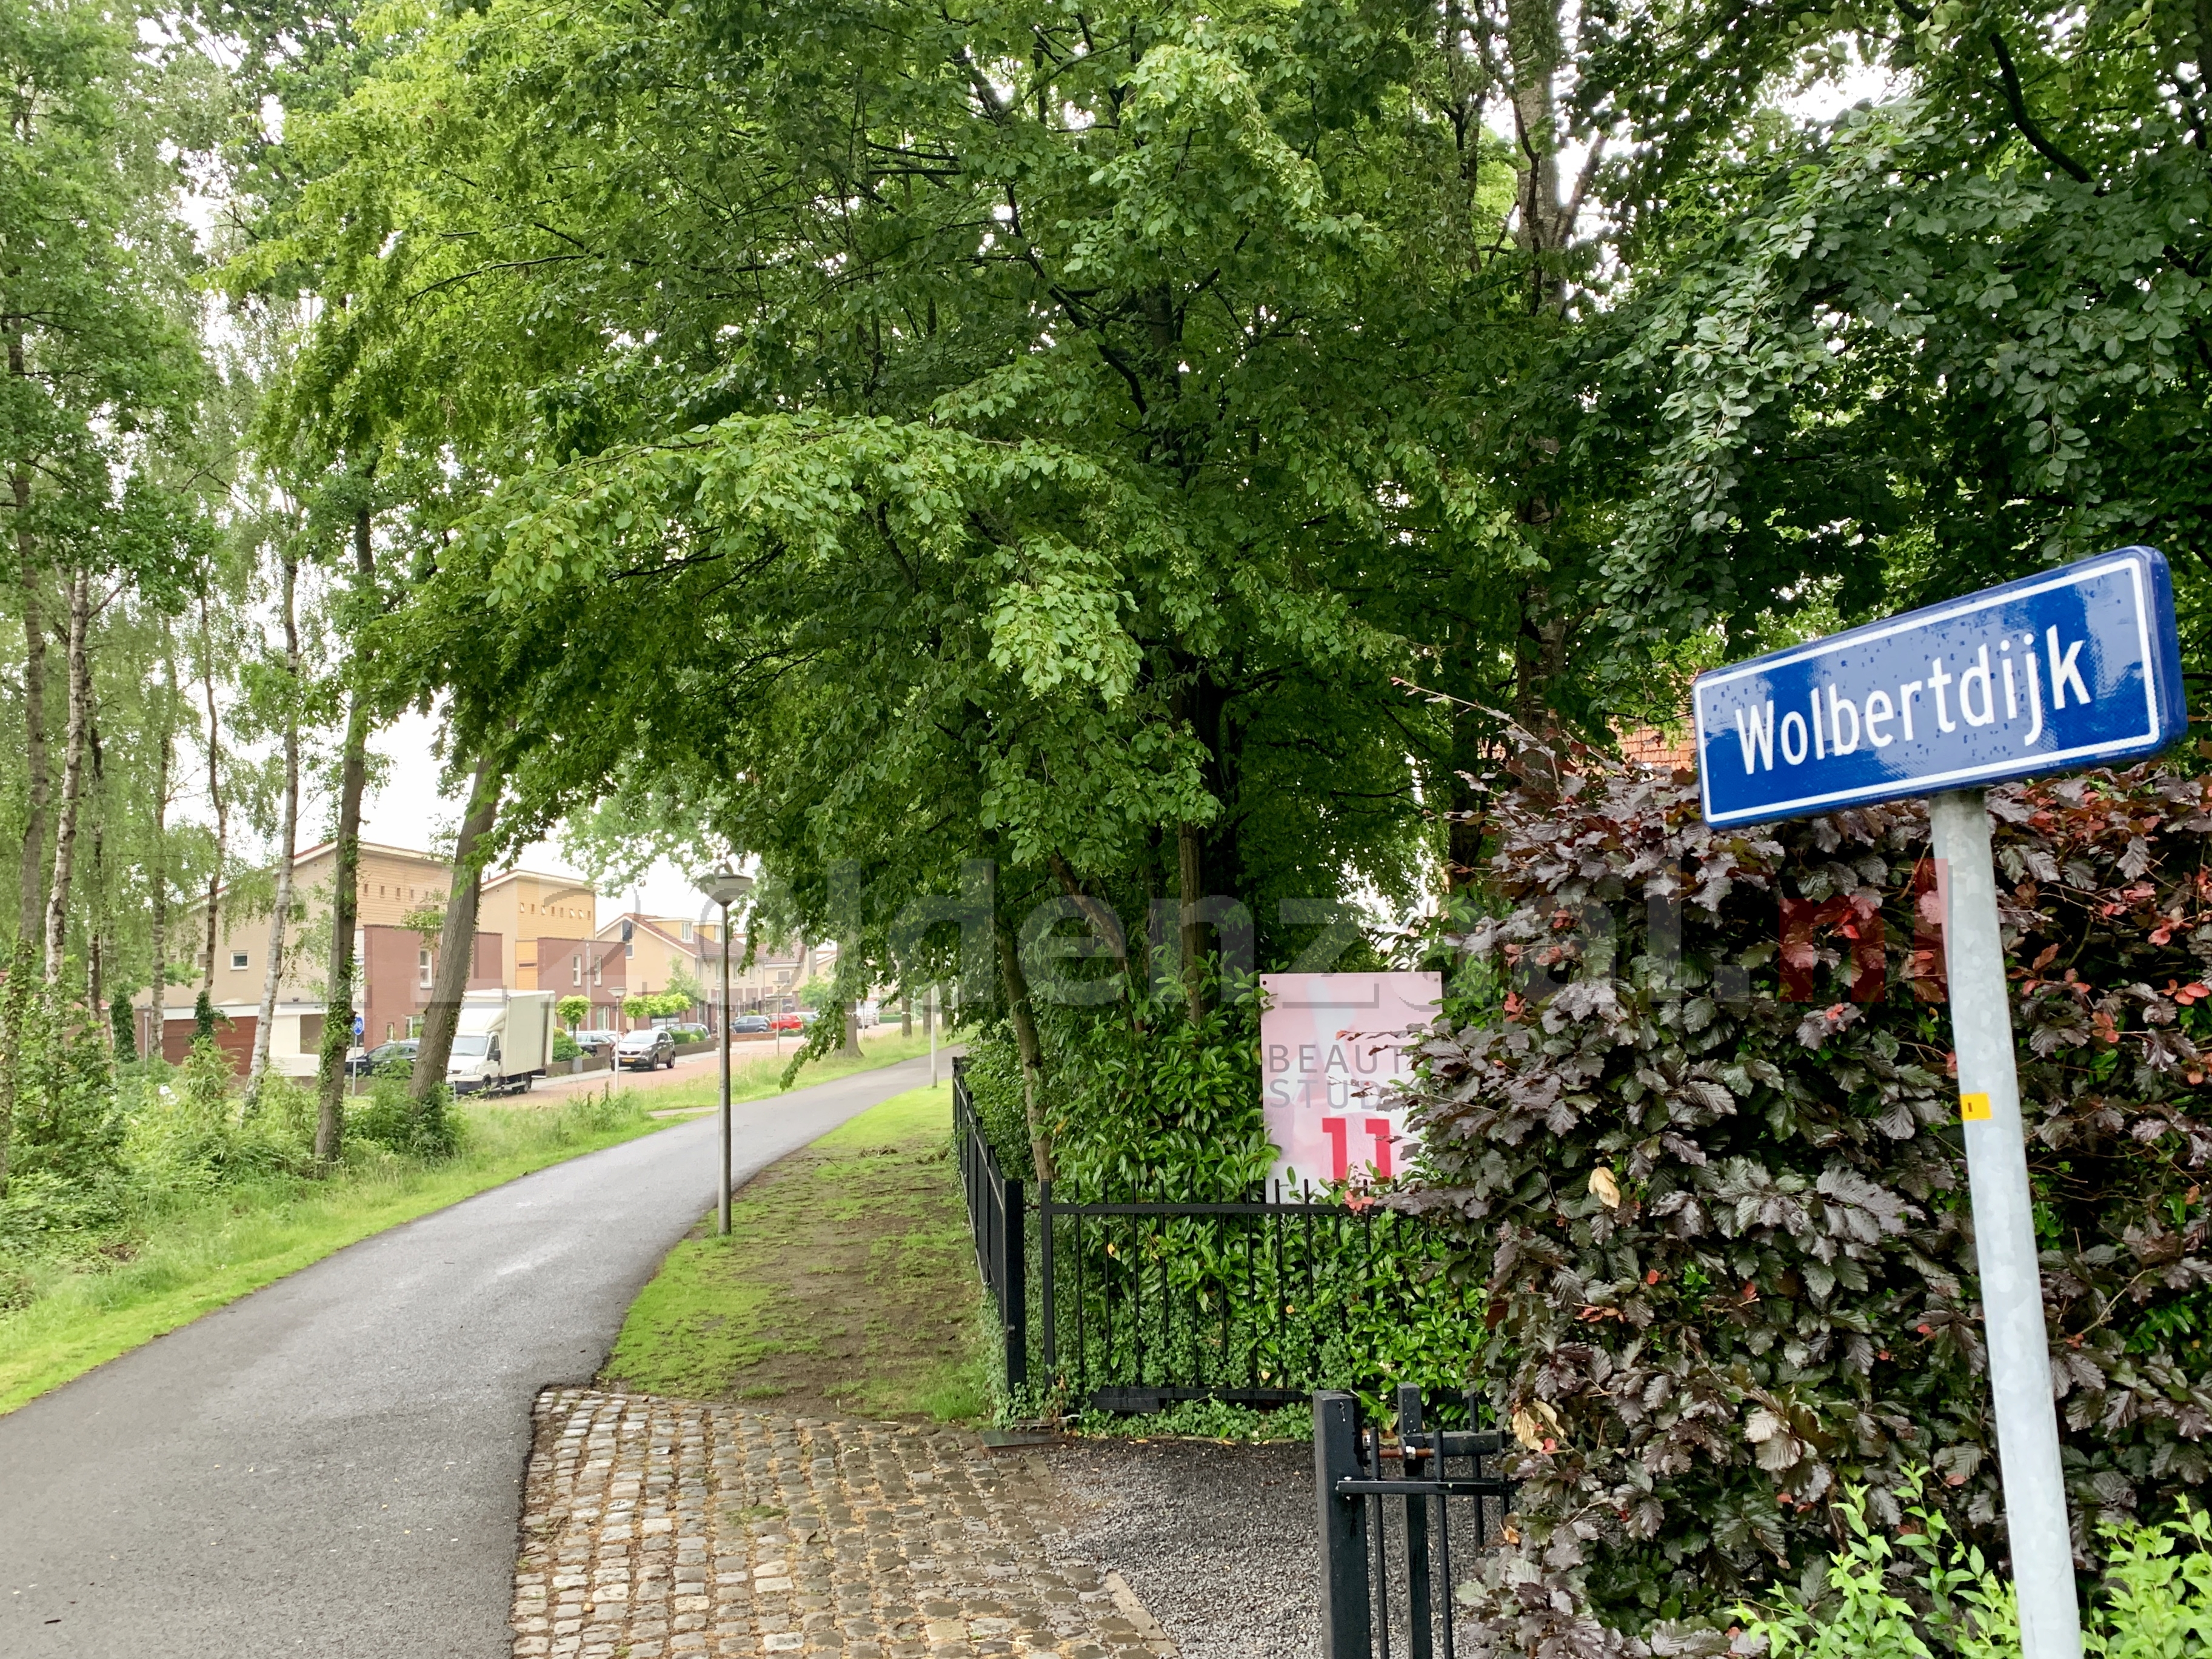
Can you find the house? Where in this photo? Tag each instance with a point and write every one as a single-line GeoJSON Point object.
{"type": "Point", "coordinates": [638, 954]}
{"type": "Point", "coordinates": [401, 901]}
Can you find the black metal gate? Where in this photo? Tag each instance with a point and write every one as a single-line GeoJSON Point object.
{"type": "Point", "coordinates": [1372, 1582]}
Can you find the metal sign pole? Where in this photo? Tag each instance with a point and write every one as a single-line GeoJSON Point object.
{"type": "Point", "coordinates": [2004, 1232]}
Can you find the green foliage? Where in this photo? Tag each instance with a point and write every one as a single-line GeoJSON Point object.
{"type": "Point", "coordinates": [203, 1018]}
{"type": "Point", "coordinates": [1861, 1606]}
{"type": "Point", "coordinates": [572, 1010]}
{"type": "Point", "coordinates": [1200, 1420]}
{"type": "Point", "coordinates": [1723, 1234]}
{"type": "Point", "coordinates": [1921, 1590]}
{"type": "Point", "coordinates": [390, 1116]}
{"type": "Point", "coordinates": [123, 1026]}
{"type": "Point", "coordinates": [189, 1133]}
{"type": "Point", "coordinates": [67, 1119]}
{"type": "Point", "coordinates": [564, 1047]}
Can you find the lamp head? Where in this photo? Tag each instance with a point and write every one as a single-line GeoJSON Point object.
{"type": "Point", "coordinates": [726, 886]}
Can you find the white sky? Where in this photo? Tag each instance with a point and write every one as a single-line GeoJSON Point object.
{"type": "Point", "coordinates": [408, 811]}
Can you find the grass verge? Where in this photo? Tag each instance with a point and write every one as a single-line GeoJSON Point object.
{"type": "Point", "coordinates": [201, 1251]}
{"type": "Point", "coordinates": [847, 1286]}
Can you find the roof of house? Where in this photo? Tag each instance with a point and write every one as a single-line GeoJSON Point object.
{"type": "Point", "coordinates": [420, 855]}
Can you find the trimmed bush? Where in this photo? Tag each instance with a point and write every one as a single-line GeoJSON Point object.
{"type": "Point", "coordinates": [1724, 1233]}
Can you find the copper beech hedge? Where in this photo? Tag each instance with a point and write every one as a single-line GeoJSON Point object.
{"type": "Point", "coordinates": [1723, 1228]}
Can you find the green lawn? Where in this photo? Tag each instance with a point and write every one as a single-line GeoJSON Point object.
{"type": "Point", "coordinates": [847, 1286]}
{"type": "Point", "coordinates": [198, 1253]}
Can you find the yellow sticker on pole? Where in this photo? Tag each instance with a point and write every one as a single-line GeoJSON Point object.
{"type": "Point", "coordinates": [1973, 1109]}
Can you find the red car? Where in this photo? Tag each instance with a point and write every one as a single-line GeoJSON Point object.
{"type": "Point", "coordinates": [785, 1022]}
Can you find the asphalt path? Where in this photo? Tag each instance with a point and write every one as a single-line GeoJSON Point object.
{"type": "Point", "coordinates": [333, 1465]}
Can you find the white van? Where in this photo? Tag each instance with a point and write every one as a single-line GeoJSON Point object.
{"type": "Point", "coordinates": [505, 1038]}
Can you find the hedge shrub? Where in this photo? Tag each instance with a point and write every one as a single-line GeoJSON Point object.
{"type": "Point", "coordinates": [1723, 1234]}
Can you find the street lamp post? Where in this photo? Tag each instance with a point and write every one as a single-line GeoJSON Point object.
{"type": "Point", "coordinates": [725, 887]}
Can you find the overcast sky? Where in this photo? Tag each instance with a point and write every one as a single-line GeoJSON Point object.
{"type": "Point", "coordinates": [409, 812]}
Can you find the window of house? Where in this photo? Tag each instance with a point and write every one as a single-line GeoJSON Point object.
{"type": "Point", "coordinates": [629, 950]}
{"type": "Point", "coordinates": [576, 974]}
{"type": "Point", "coordinates": [422, 966]}
{"type": "Point", "coordinates": [687, 933]}
{"type": "Point", "coordinates": [238, 959]}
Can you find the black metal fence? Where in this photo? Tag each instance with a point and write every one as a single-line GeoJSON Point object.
{"type": "Point", "coordinates": [1377, 1577]}
{"type": "Point", "coordinates": [994, 1217]}
{"type": "Point", "coordinates": [1128, 1302]}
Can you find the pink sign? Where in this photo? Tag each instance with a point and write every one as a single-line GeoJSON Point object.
{"type": "Point", "coordinates": [1327, 1043]}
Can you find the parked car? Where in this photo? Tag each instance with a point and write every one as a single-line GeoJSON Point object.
{"type": "Point", "coordinates": [644, 1050]}
{"type": "Point", "coordinates": [401, 1051]}
{"type": "Point", "coordinates": [748, 1025]}
{"type": "Point", "coordinates": [595, 1040]}
{"type": "Point", "coordinates": [787, 1022]}
{"type": "Point", "coordinates": [689, 1032]}
{"type": "Point", "coordinates": [809, 1015]}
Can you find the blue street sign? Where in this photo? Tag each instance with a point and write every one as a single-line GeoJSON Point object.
{"type": "Point", "coordinates": [2077, 666]}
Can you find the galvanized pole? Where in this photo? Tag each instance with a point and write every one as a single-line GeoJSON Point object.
{"type": "Point", "coordinates": [2004, 1233]}
{"type": "Point", "coordinates": [722, 1193]}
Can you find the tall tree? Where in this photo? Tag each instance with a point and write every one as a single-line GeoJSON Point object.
{"type": "Point", "coordinates": [74, 744]}
{"type": "Point", "coordinates": [457, 940]}
{"type": "Point", "coordinates": [157, 875]}
{"type": "Point", "coordinates": [217, 803]}
{"type": "Point", "coordinates": [345, 867]}
{"type": "Point", "coordinates": [280, 916]}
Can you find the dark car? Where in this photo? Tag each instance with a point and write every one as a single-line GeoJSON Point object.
{"type": "Point", "coordinates": [747, 1024]}
{"type": "Point", "coordinates": [400, 1051]}
{"type": "Point", "coordinates": [644, 1050]}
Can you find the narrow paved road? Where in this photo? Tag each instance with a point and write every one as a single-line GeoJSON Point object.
{"type": "Point", "coordinates": [333, 1465]}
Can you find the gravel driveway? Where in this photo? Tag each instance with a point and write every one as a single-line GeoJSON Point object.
{"type": "Point", "coordinates": [1217, 1541]}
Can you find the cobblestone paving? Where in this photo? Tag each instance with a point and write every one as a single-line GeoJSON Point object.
{"type": "Point", "coordinates": [656, 1527]}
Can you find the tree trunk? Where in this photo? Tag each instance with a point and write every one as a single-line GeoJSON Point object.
{"type": "Point", "coordinates": [34, 871]}
{"type": "Point", "coordinates": [345, 894]}
{"type": "Point", "coordinates": [456, 942]}
{"type": "Point", "coordinates": [73, 747]}
{"type": "Point", "coordinates": [215, 799]}
{"type": "Point", "coordinates": [95, 933]}
{"type": "Point", "coordinates": [158, 877]}
{"type": "Point", "coordinates": [1028, 1047]}
{"type": "Point", "coordinates": [280, 918]}
{"type": "Point", "coordinates": [1535, 48]}
{"type": "Point", "coordinates": [15, 999]}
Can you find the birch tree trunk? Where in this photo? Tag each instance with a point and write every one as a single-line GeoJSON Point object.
{"type": "Point", "coordinates": [215, 798]}
{"type": "Point", "coordinates": [158, 876]}
{"type": "Point", "coordinates": [34, 869]}
{"type": "Point", "coordinates": [73, 747]}
{"type": "Point", "coordinates": [95, 933]}
{"type": "Point", "coordinates": [345, 894]}
{"type": "Point", "coordinates": [281, 918]}
{"type": "Point", "coordinates": [456, 944]}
